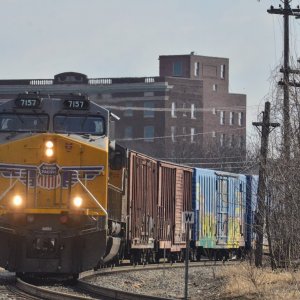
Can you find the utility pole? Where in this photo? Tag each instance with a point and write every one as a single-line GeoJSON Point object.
{"type": "Point", "coordinates": [286, 11]}
{"type": "Point", "coordinates": [261, 197]}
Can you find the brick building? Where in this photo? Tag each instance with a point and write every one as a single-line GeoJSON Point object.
{"type": "Point", "coordinates": [214, 118]}
{"type": "Point", "coordinates": [185, 114]}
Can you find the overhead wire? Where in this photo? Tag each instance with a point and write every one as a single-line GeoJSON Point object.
{"type": "Point", "coordinates": [176, 136]}
{"type": "Point", "coordinates": [183, 110]}
{"type": "Point", "coordinates": [219, 163]}
{"type": "Point", "coordinates": [212, 158]}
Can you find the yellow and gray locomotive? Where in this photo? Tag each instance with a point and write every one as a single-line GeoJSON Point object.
{"type": "Point", "coordinates": [53, 184]}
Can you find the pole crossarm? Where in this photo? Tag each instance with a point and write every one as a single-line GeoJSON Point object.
{"type": "Point", "coordinates": [289, 83]}
{"type": "Point", "coordinates": [284, 11]}
{"type": "Point", "coordinates": [263, 124]}
{"type": "Point", "coordinates": [292, 71]}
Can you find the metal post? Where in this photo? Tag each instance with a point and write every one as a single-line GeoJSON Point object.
{"type": "Point", "coordinates": [164, 273]}
{"type": "Point", "coordinates": [187, 254]}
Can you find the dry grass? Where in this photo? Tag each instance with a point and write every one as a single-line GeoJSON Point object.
{"type": "Point", "coordinates": [247, 282]}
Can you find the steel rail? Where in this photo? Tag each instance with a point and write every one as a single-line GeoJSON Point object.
{"type": "Point", "coordinates": [43, 293]}
{"type": "Point", "coordinates": [109, 293]}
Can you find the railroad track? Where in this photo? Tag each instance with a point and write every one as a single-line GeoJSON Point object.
{"type": "Point", "coordinates": [85, 290]}
{"type": "Point", "coordinates": [108, 293]}
{"type": "Point", "coordinates": [16, 289]}
{"type": "Point", "coordinates": [9, 290]}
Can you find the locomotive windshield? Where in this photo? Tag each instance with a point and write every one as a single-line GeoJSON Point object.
{"type": "Point", "coordinates": [79, 124]}
{"type": "Point", "coordinates": [24, 122]}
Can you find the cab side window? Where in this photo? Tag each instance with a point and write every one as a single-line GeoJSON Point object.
{"type": "Point", "coordinates": [116, 159]}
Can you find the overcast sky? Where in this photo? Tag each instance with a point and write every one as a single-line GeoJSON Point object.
{"type": "Point", "coordinates": [116, 38]}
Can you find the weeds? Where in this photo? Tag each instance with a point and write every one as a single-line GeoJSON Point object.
{"type": "Point", "coordinates": [248, 282]}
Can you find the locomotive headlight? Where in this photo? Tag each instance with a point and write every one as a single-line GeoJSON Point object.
{"type": "Point", "coordinates": [49, 148]}
{"type": "Point", "coordinates": [77, 201]}
{"type": "Point", "coordinates": [17, 200]}
{"type": "Point", "coordinates": [49, 152]}
{"type": "Point", "coordinates": [49, 144]}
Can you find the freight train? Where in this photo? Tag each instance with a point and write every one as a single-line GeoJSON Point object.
{"type": "Point", "coordinates": [72, 200]}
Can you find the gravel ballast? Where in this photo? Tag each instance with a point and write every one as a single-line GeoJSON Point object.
{"type": "Point", "coordinates": [203, 283]}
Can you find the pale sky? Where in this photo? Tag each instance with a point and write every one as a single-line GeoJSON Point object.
{"type": "Point", "coordinates": [118, 38]}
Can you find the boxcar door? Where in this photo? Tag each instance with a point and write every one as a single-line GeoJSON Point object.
{"type": "Point", "coordinates": [222, 209]}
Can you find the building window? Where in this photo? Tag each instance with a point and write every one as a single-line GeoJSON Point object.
{"type": "Point", "coordinates": [242, 142]}
{"type": "Point", "coordinates": [192, 135]}
{"type": "Point", "coordinates": [177, 68]}
{"type": "Point", "coordinates": [231, 141]}
{"type": "Point", "coordinates": [222, 117]}
{"type": "Point", "coordinates": [128, 111]}
{"type": "Point", "coordinates": [148, 110]}
{"type": "Point", "coordinates": [222, 139]}
{"type": "Point", "coordinates": [222, 72]}
{"type": "Point", "coordinates": [149, 133]}
{"type": "Point", "coordinates": [231, 118]}
{"type": "Point", "coordinates": [214, 111]}
{"type": "Point", "coordinates": [184, 110]}
{"type": "Point", "coordinates": [183, 133]}
{"type": "Point", "coordinates": [213, 134]}
{"type": "Point", "coordinates": [148, 94]}
{"type": "Point", "coordinates": [241, 118]}
{"type": "Point", "coordinates": [173, 131]}
{"type": "Point", "coordinates": [128, 132]}
{"type": "Point", "coordinates": [197, 69]}
{"type": "Point", "coordinates": [193, 111]}
{"type": "Point", "coordinates": [215, 87]}
{"type": "Point", "coordinates": [173, 110]}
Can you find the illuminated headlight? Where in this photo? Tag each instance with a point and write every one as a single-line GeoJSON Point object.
{"type": "Point", "coordinates": [77, 201]}
{"type": "Point", "coordinates": [49, 152]}
{"type": "Point", "coordinates": [49, 148]}
{"type": "Point", "coordinates": [49, 144]}
{"type": "Point", "coordinates": [17, 200]}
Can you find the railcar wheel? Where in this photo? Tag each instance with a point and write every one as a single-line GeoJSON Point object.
{"type": "Point", "coordinates": [198, 255]}
{"type": "Point", "coordinates": [75, 276]}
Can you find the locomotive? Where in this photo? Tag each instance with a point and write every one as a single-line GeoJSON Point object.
{"type": "Point", "coordinates": [53, 184]}
{"type": "Point", "coordinates": [72, 200]}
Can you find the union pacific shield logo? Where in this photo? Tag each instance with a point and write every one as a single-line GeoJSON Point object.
{"type": "Point", "coordinates": [49, 176]}
{"type": "Point", "coordinates": [49, 182]}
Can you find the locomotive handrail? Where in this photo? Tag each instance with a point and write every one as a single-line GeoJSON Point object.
{"type": "Point", "coordinates": [12, 184]}
{"type": "Point", "coordinates": [8, 189]}
{"type": "Point", "coordinates": [90, 194]}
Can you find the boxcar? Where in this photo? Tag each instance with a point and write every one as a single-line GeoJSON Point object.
{"type": "Point", "coordinates": [142, 200]}
{"type": "Point", "coordinates": [174, 197]}
{"type": "Point", "coordinates": [219, 203]}
{"type": "Point", "coordinates": [158, 193]}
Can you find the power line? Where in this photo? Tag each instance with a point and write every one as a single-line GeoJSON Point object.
{"type": "Point", "coordinates": [182, 135]}
{"type": "Point", "coordinates": [166, 109]}
{"type": "Point", "coordinates": [169, 109]}
{"type": "Point", "coordinates": [200, 157]}
{"type": "Point", "coordinates": [220, 163]}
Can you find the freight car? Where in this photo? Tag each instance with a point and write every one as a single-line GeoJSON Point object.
{"type": "Point", "coordinates": [158, 194]}
{"type": "Point", "coordinates": [219, 203]}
